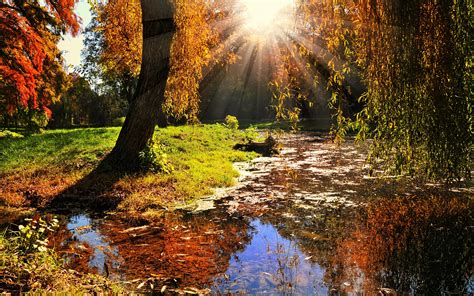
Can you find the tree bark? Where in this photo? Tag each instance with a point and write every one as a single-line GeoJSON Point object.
{"type": "Point", "coordinates": [146, 107]}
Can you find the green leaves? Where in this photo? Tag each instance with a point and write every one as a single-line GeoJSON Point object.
{"type": "Point", "coordinates": [33, 236]}
{"type": "Point", "coordinates": [153, 159]}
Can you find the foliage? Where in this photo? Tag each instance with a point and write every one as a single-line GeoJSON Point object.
{"type": "Point", "coordinates": [120, 22]}
{"type": "Point", "coordinates": [31, 73]}
{"type": "Point", "coordinates": [287, 87]}
{"type": "Point", "coordinates": [110, 63]}
{"type": "Point", "coordinates": [33, 237]}
{"type": "Point", "coordinates": [81, 105]}
{"type": "Point", "coordinates": [417, 64]}
{"type": "Point", "coordinates": [28, 264]}
{"type": "Point", "coordinates": [415, 60]}
{"type": "Point", "coordinates": [153, 159]}
{"type": "Point", "coordinates": [231, 122]}
{"type": "Point", "coordinates": [190, 53]}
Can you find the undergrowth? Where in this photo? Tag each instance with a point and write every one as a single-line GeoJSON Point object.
{"type": "Point", "coordinates": [29, 265]}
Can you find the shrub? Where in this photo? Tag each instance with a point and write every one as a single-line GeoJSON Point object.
{"type": "Point", "coordinates": [153, 159]}
{"type": "Point", "coordinates": [231, 122]}
{"type": "Point", "coordinates": [33, 237]}
{"type": "Point", "coordinates": [250, 134]}
{"type": "Point", "coordinates": [28, 265]}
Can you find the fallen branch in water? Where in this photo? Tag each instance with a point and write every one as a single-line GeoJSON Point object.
{"type": "Point", "coordinates": [268, 148]}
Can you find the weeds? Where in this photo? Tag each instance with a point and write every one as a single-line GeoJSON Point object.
{"type": "Point", "coordinates": [28, 265]}
{"type": "Point", "coordinates": [153, 159]}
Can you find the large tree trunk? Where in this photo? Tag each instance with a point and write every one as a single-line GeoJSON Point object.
{"type": "Point", "coordinates": [146, 107]}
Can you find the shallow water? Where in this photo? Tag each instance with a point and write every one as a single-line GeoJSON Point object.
{"type": "Point", "coordinates": [305, 223]}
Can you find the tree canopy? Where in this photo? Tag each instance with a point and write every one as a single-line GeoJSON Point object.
{"type": "Point", "coordinates": [31, 72]}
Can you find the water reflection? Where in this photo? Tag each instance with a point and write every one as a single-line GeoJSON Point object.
{"type": "Point", "coordinates": [409, 245]}
{"type": "Point", "coordinates": [405, 245]}
{"type": "Point", "coordinates": [270, 264]}
{"type": "Point", "coordinates": [302, 224]}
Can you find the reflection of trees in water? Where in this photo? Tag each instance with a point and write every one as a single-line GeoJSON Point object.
{"type": "Point", "coordinates": [191, 249]}
{"type": "Point", "coordinates": [411, 245]}
{"type": "Point", "coordinates": [313, 233]}
{"type": "Point", "coordinates": [315, 230]}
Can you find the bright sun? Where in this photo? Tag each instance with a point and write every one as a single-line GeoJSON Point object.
{"type": "Point", "coordinates": [266, 15]}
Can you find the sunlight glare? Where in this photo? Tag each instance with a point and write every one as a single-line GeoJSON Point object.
{"type": "Point", "coordinates": [266, 15]}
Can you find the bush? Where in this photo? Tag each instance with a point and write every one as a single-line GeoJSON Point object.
{"type": "Point", "coordinates": [118, 121]}
{"type": "Point", "coordinates": [153, 159]}
{"type": "Point", "coordinates": [33, 237]}
{"type": "Point", "coordinates": [9, 134]}
{"type": "Point", "coordinates": [231, 122]}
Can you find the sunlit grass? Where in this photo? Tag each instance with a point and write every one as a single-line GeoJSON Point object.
{"type": "Point", "coordinates": [56, 147]}
{"type": "Point", "coordinates": [44, 165]}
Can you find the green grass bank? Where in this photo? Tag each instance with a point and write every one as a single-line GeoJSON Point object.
{"type": "Point", "coordinates": [194, 159]}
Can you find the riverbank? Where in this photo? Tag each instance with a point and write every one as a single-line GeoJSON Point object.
{"type": "Point", "coordinates": [193, 160]}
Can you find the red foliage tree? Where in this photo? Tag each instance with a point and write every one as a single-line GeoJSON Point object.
{"type": "Point", "coordinates": [29, 31]}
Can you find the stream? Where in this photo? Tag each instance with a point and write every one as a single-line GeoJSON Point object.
{"type": "Point", "coordinates": [308, 222]}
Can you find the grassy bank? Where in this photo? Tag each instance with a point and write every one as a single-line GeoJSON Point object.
{"type": "Point", "coordinates": [36, 169]}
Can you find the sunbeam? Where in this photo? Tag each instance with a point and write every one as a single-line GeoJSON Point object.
{"type": "Point", "coordinates": [267, 16]}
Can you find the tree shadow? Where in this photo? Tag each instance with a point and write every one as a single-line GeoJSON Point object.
{"type": "Point", "coordinates": [93, 193]}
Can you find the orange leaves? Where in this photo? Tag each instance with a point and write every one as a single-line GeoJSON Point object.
{"type": "Point", "coordinates": [189, 55]}
{"type": "Point", "coordinates": [27, 31]}
{"type": "Point", "coordinates": [121, 24]}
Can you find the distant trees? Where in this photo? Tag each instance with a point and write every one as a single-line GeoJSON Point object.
{"type": "Point", "coordinates": [31, 72]}
{"type": "Point", "coordinates": [80, 105]}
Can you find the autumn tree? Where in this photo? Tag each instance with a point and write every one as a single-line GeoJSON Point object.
{"type": "Point", "coordinates": [190, 53]}
{"type": "Point", "coordinates": [142, 117]}
{"type": "Point", "coordinates": [164, 23]}
{"type": "Point", "coordinates": [119, 23]}
{"type": "Point", "coordinates": [31, 72]}
{"type": "Point", "coordinates": [109, 63]}
{"type": "Point", "coordinates": [415, 60]}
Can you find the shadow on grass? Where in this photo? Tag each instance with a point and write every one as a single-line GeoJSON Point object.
{"type": "Point", "coordinates": [94, 192]}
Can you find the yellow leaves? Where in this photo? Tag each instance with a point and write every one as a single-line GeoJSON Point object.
{"type": "Point", "coordinates": [121, 23]}
{"type": "Point", "coordinates": [189, 55]}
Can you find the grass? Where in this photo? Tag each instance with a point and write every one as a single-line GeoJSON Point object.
{"type": "Point", "coordinates": [35, 169]}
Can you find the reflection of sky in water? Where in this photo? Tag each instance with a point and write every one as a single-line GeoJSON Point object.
{"type": "Point", "coordinates": [272, 263]}
{"type": "Point", "coordinates": [85, 232]}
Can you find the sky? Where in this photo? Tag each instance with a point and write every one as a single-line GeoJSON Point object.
{"type": "Point", "coordinates": [72, 46]}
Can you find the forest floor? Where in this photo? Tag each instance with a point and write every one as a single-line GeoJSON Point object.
{"type": "Point", "coordinates": [59, 164]}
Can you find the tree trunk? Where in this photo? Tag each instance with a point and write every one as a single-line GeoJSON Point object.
{"type": "Point", "coordinates": [146, 107]}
